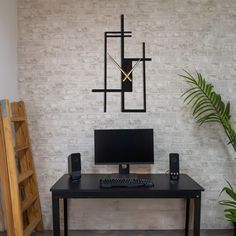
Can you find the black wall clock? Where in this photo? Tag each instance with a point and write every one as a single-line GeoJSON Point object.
{"type": "Point", "coordinates": [126, 68]}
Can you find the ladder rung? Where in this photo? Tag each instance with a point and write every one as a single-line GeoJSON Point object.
{"type": "Point", "coordinates": [21, 147]}
{"type": "Point", "coordinates": [18, 119]}
{"type": "Point", "coordinates": [28, 202]}
{"type": "Point", "coordinates": [25, 176]}
{"type": "Point", "coordinates": [32, 225]}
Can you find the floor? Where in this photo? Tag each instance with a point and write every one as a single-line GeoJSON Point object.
{"type": "Point", "coordinates": [137, 233]}
{"type": "Point", "coordinates": [140, 233]}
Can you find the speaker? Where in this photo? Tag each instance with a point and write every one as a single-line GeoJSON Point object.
{"type": "Point", "coordinates": [174, 166]}
{"type": "Point", "coordinates": [74, 166]}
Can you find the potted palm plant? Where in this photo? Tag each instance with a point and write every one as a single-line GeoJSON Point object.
{"type": "Point", "coordinates": [207, 106]}
{"type": "Point", "coordinates": [230, 204]}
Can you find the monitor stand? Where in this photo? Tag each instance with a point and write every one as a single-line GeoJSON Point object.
{"type": "Point", "coordinates": [124, 169]}
{"type": "Point", "coordinates": [124, 172]}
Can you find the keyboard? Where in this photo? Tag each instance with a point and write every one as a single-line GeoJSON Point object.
{"type": "Point", "coordinates": [125, 182]}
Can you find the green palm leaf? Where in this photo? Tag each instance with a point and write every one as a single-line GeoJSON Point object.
{"type": "Point", "coordinates": [207, 105]}
{"type": "Point", "coordinates": [227, 203]}
{"type": "Point", "coordinates": [230, 211]}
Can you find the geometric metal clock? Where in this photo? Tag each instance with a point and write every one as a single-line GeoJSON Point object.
{"type": "Point", "coordinates": [126, 68]}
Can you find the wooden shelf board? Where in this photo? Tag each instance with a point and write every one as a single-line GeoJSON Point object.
{"type": "Point", "coordinates": [25, 175]}
{"type": "Point", "coordinates": [21, 147]}
{"type": "Point", "coordinates": [31, 227]}
{"type": "Point", "coordinates": [28, 202]}
{"type": "Point", "coordinates": [18, 119]}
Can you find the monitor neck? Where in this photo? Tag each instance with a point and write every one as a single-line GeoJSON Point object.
{"type": "Point", "coordinates": [123, 169]}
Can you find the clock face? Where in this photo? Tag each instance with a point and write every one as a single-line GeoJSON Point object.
{"type": "Point", "coordinates": [126, 71]}
{"type": "Point", "coordinates": [127, 67]}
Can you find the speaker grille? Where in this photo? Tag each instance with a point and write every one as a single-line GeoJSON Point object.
{"type": "Point", "coordinates": [174, 166]}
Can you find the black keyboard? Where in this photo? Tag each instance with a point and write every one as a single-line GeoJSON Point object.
{"type": "Point", "coordinates": [125, 182]}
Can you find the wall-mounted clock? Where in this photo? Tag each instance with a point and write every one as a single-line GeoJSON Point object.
{"type": "Point", "coordinates": [126, 67]}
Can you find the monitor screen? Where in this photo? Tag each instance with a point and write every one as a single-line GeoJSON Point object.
{"type": "Point", "coordinates": [124, 146]}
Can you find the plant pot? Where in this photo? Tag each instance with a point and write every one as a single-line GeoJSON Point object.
{"type": "Point", "coordinates": [234, 228]}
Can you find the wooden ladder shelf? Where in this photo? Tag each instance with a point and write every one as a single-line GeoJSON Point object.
{"type": "Point", "coordinates": [18, 179]}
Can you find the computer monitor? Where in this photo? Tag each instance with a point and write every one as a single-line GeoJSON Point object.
{"type": "Point", "coordinates": [123, 147]}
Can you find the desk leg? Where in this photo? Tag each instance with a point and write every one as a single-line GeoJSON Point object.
{"type": "Point", "coordinates": [197, 215]}
{"type": "Point", "coordinates": [56, 216]}
{"type": "Point", "coordinates": [65, 218]}
{"type": "Point", "coordinates": [187, 217]}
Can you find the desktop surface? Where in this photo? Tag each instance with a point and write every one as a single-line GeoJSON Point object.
{"type": "Point", "coordinates": [89, 186]}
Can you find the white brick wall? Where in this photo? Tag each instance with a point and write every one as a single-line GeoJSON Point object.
{"type": "Point", "coordinates": [60, 54]}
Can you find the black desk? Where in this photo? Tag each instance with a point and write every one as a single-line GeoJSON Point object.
{"type": "Point", "coordinates": [88, 187]}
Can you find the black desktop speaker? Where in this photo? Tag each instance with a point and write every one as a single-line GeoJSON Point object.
{"type": "Point", "coordinates": [174, 166]}
{"type": "Point", "coordinates": [74, 166]}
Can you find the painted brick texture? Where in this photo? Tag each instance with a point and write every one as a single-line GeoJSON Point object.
{"type": "Point", "coordinates": [60, 60]}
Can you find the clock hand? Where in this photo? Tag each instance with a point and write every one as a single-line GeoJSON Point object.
{"type": "Point", "coordinates": [113, 60]}
{"type": "Point", "coordinates": [127, 76]}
